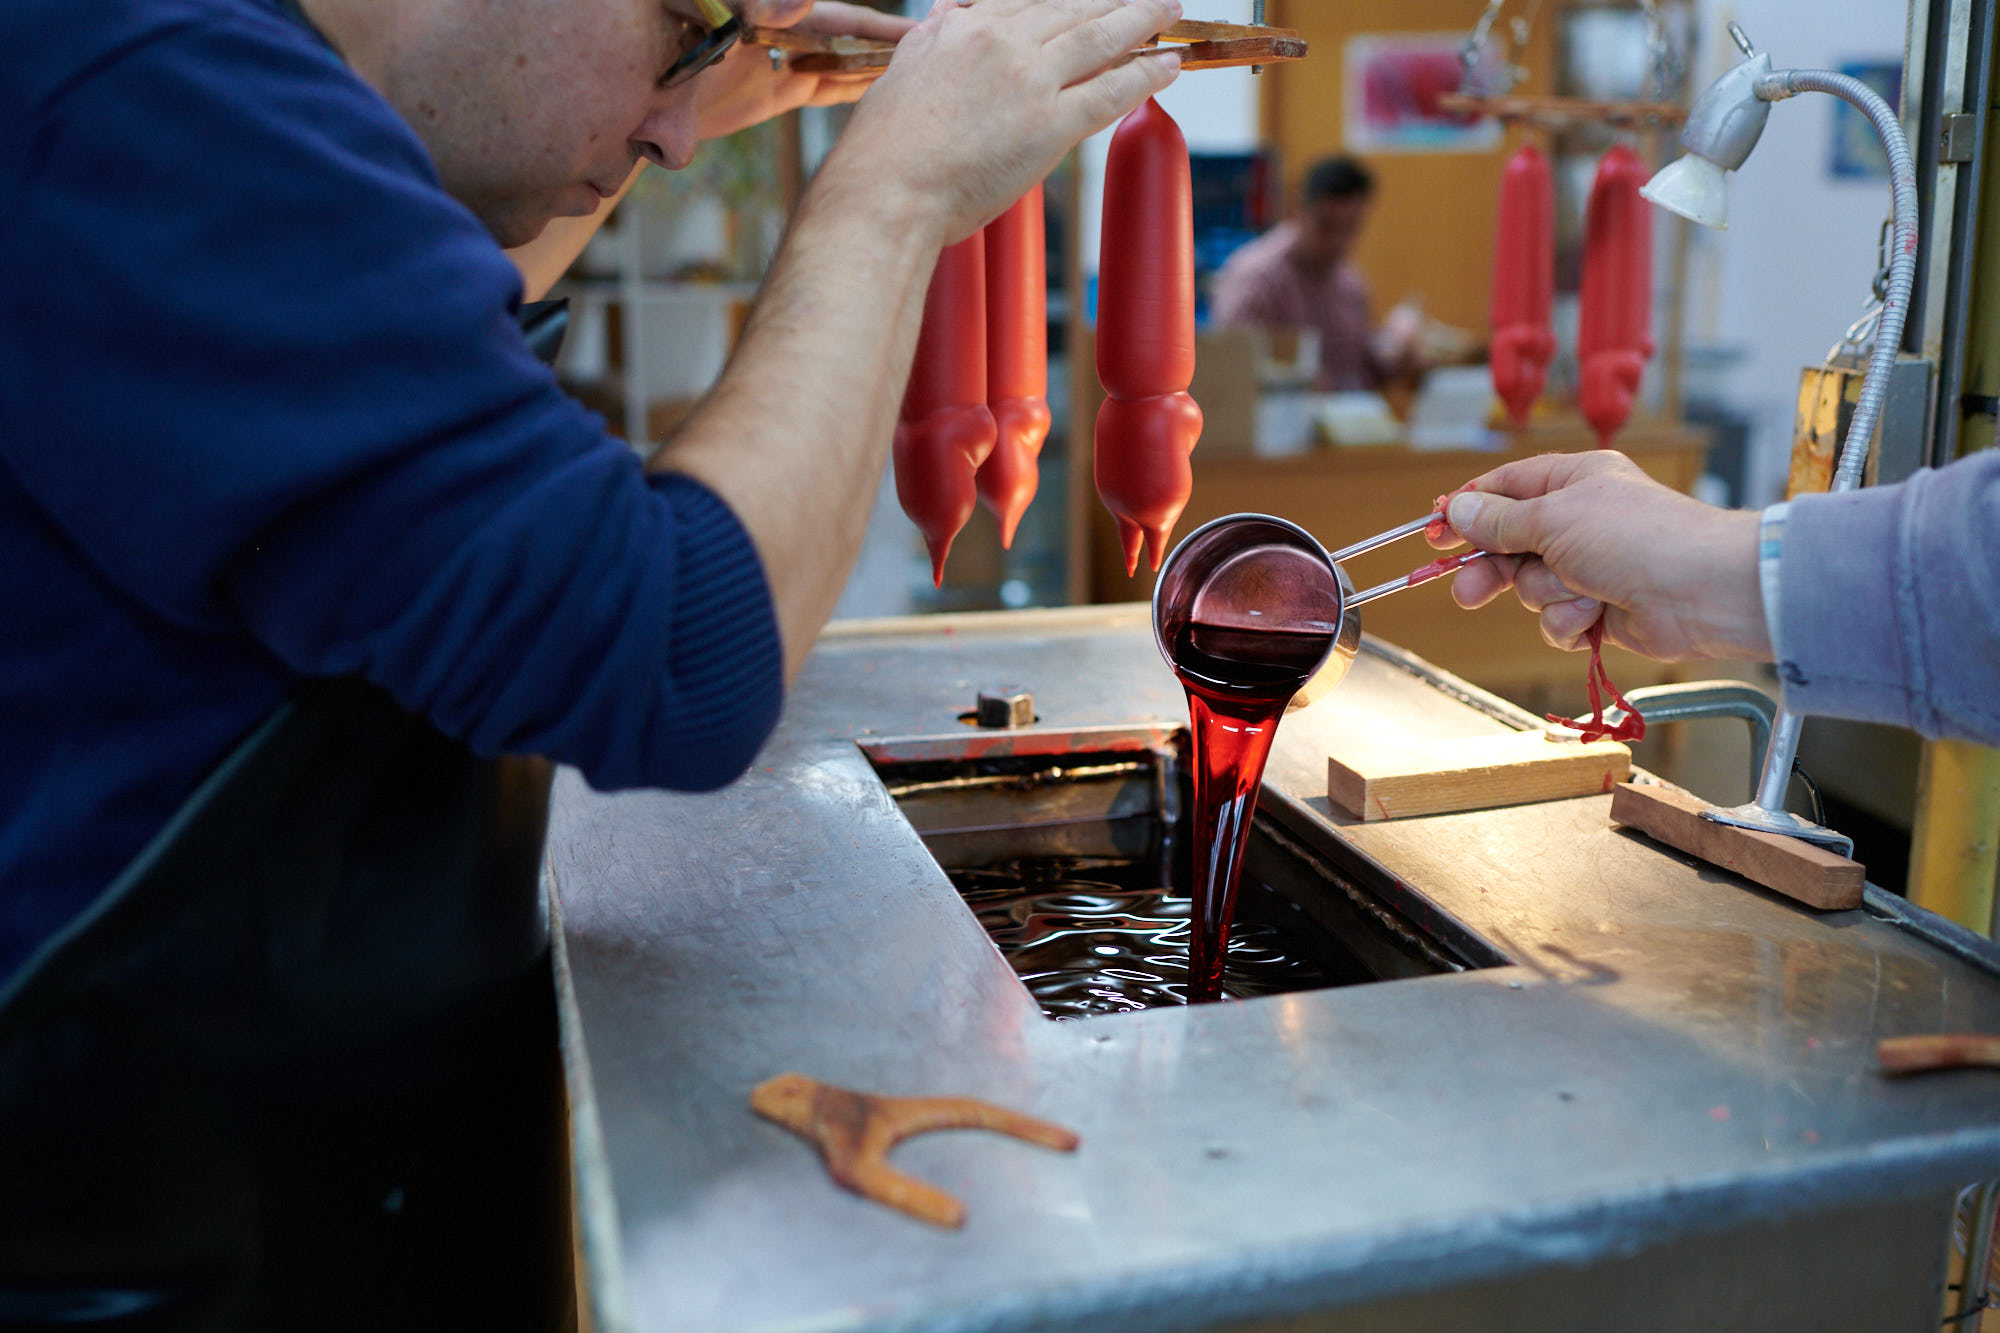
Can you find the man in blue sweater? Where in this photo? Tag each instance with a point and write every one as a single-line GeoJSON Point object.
{"type": "Point", "coordinates": [265, 416]}
{"type": "Point", "coordinates": [266, 420]}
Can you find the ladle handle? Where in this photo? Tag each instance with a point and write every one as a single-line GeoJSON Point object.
{"type": "Point", "coordinates": [1436, 569]}
{"type": "Point", "coordinates": [1381, 539]}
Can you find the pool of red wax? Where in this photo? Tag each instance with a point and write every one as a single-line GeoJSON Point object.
{"type": "Point", "coordinates": [1238, 682]}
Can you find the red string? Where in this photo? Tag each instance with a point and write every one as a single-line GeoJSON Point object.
{"type": "Point", "coordinates": [1633, 728]}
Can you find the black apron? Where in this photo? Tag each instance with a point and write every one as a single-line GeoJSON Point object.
{"type": "Point", "coordinates": [298, 1067]}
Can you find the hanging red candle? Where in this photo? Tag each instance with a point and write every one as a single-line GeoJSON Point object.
{"type": "Point", "coordinates": [1017, 359]}
{"type": "Point", "coordinates": [1145, 333]}
{"type": "Point", "coordinates": [946, 430]}
{"type": "Point", "coordinates": [1615, 328]}
{"type": "Point", "coordinates": [1524, 282]}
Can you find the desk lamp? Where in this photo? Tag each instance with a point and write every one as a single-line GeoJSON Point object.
{"type": "Point", "coordinates": [1722, 129]}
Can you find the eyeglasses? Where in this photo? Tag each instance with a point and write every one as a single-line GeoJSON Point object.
{"type": "Point", "coordinates": [709, 48]}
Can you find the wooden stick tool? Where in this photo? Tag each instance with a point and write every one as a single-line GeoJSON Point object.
{"type": "Point", "coordinates": [1202, 44]}
{"type": "Point", "coordinates": [854, 1132]}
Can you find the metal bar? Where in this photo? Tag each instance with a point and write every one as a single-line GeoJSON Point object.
{"type": "Point", "coordinates": [1691, 701]}
{"type": "Point", "coordinates": [1956, 829]}
{"type": "Point", "coordinates": [1382, 539]}
{"type": "Point", "coordinates": [1978, 1255]}
{"type": "Point", "coordinates": [1948, 31]}
{"type": "Point", "coordinates": [1437, 569]}
{"type": "Point", "coordinates": [1962, 248]}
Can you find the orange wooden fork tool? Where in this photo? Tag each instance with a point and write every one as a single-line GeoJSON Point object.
{"type": "Point", "coordinates": [854, 1132]}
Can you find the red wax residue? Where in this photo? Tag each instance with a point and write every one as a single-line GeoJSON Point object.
{"type": "Point", "coordinates": [1633, 728]}
{"type": "Point", "coordinates": [1439, 525]}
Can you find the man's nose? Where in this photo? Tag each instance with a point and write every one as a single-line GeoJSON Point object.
{"type": "Point", "coordinates": [666, 137]}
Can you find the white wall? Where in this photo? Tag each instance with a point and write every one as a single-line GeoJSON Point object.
{"type": "Point", "coordinates": [1793, 269]}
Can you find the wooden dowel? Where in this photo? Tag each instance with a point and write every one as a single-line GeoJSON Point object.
{"type": "Point", "coordinates": [1563, 110]}
{"type": "Point", "coordinates": [1202, 45]}
{"type": "Point", "coordinates": [1945, 1050]}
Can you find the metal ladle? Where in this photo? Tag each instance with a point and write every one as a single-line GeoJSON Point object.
{"type": "Point", "coordinates": [1256, 571]}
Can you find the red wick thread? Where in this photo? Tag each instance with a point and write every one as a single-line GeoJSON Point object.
{"type": "Point", "coordinates": [1633, 728]}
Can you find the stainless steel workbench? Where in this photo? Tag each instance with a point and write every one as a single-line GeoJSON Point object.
{"type": "Point", "coordinates": [1662, 1115]}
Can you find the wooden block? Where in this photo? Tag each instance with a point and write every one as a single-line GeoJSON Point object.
{"type": "Point", "coordinates": [1383, 778]}
{"type": "Point", "coordinates": [1799, 870]}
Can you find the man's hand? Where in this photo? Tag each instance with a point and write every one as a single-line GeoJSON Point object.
{"type": "Point", "coordinates": [977, 105]}
{"type": "Point", "coordinates": [742, 89]}
{"type": "Point", "coordinates": [1589, 532]}
{"type": "Point", "coordinates": [982, 101]}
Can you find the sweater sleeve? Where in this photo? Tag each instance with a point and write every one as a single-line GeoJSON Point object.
{"type": "Point", "coordinates": [287, 402]}
{"type": "Point", "coordinates": [1889, 606]}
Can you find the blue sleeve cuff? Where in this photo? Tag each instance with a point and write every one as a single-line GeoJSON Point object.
{"type": "Point", "coordinates": [1841, 637]}
{"type": "Point", "coordinates": [720, 684]}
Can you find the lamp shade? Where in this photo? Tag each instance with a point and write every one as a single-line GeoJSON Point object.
{"type": "Point", "coordinates": [1693, 187]}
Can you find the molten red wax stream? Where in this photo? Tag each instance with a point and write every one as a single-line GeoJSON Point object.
{"type": "Point", "coordinates": [946, 430]}
{"type": "Point", "coordinates": [1017, 359]}
{"type": "Point", "coordinates": [1145, 333]}
{"type": "Point", "coordinates": [1524, 281]}
{"type": "Point", "coordinates": [1238, 682]}
{"type": "Point", "coordinates": [1615, 324]}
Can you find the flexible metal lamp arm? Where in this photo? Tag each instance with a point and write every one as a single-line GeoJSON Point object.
{"type": "Point", "coordinates": [1768, 812]}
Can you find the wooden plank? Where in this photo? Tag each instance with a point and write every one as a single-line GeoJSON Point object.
{"type": "Point", "coordinates": [1799, 870]}
{"type": "Point", "coordinates": [1376, 779]}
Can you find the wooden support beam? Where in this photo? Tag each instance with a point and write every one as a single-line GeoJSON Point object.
{"type": "Point", "coordinates": [1377, 779]}
{"type": "Point", "coordinates": [1811, 875]}
{"type": "Point", "coordinates": [1558, 112]}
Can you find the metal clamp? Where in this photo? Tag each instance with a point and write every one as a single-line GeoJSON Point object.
{"type": "Point", "coordinates": [1699, 699]}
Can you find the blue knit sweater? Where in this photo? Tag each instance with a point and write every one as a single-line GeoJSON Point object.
{"type": "Point", "coordinates": [265, 415]}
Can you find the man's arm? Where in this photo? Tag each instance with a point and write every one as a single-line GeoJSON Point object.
{"type": "Point", "coordinates": [1888, 599]}
{"type": "Point", "coordinates": [1889, 602]}
{"type": "Point", "coordinates": [979, 104]}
